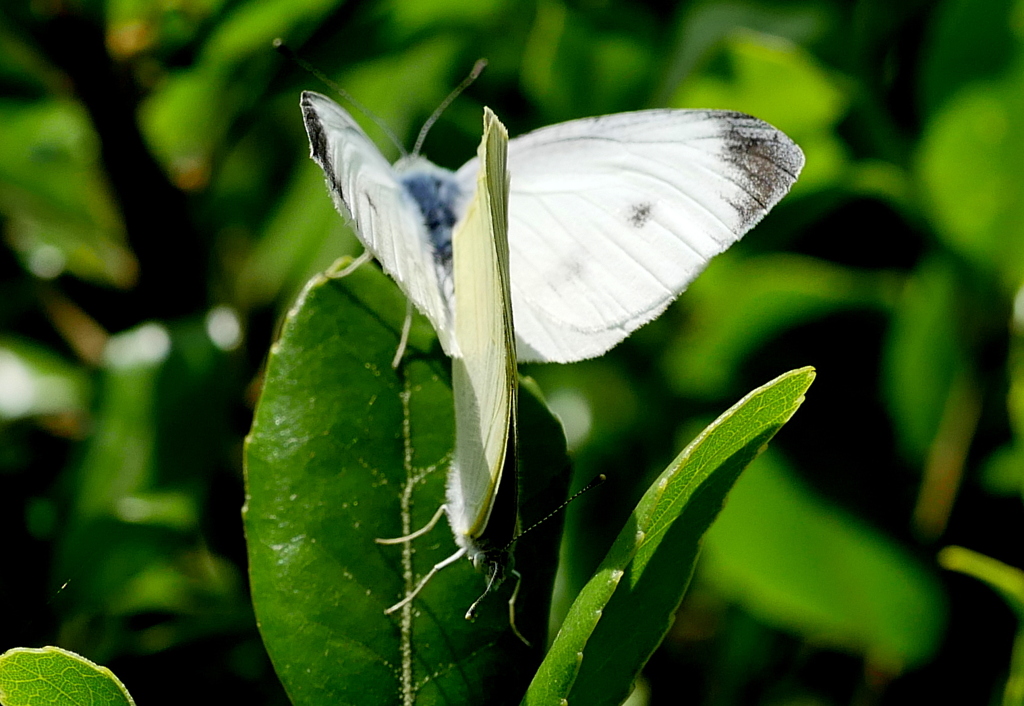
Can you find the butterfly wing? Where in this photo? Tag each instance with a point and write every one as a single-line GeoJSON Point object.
{"type": "Point", "coordinates": [386, 218]}
{"type": "Point", "coordinates": [610, 218]}
{"type": "Point", "coordinates": [484, 381]}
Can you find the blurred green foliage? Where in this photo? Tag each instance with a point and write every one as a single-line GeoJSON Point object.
{"type": "Point", "coordinates": [159, 214]}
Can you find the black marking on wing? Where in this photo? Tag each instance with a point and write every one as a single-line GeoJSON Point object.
{"type": "Point", "coordinates": [435, 198]}
{"type": "Point", "coordinates": [318, 144]}
{"type": "Point", "coordinates": [639, 214]}
{"type": "Point", "coordinates": [767, 164]}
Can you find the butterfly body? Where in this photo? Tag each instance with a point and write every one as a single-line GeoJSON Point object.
{"type": "Point", "coordinates": [440, 200]}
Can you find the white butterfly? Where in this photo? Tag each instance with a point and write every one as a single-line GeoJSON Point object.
{"type": "Point", "coordinates": [610, 218]}
{"type": "Point", "coordinates": [484, 384]}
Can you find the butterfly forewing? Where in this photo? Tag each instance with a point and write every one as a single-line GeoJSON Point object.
{"type": "Point", "coordinates": [610, 218]}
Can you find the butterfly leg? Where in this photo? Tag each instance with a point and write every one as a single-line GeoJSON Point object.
{"type": "Point", "coordinates": [423, 582]}
{"type": "Point", "coordinates": [404, 340]}
{"type": "Point", "coordinates": [512, 608]}
{"type": "Point", "coordinates": [351, 267]}
{"type": "Point", "coordinates": [493, 583]}
{"type": "Point", "coordinates": [418, 533]}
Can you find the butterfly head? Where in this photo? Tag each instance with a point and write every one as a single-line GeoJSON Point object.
{"type": "Point", "coordinates": [494, 563]}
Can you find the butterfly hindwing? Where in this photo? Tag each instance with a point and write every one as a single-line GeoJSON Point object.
{"type": "Point", "coordinates": [385, 216]}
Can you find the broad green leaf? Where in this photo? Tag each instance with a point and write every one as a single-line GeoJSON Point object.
{"type": "Point", "coordinates": [795, 561]}
{"type": "Point", "coordinates": [625, 610]}
{"type": "Point", "coordinates": [967, 41]}
{"type": "Point", "coordinates": [131, 543]}
{"type": "Point", "coordinates": [56, 677]}
{"type": "Point", "coordinates": [968, 165]}
{"type": "Point", "coordinates": [344, 450]}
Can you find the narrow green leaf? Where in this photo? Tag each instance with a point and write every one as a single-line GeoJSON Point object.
{"type": "Point", "coordinates": [38, 381]}
{"type": "Point", "coordinates": [345, 449]}
{"type": "Point", "coordinates": [1006, 580]}
{"type": "Point", "coordinates": [925, 352]}
{"type": "Point", "coordinates": [50, 675]}
{"type": "Point", "coordinates": [625, 610]}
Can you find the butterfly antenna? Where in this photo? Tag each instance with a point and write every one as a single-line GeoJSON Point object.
{"type": "Point", "coordinates": [478, 68]}
{"type": "Point", "coordinates": [601, 478]}
{"type": "Point", "coordinates": [284, 49]}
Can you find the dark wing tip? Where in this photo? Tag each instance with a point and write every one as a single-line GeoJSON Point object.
{"type": "Point", "coordinates": [318, 138]}
{"type": "Point", "coordinates": [314, 127]}
{"type": "Point", "coordinates": [767, 161]}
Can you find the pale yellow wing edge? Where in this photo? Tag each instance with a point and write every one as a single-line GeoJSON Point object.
{"type": "Point", "coordinates": [484, 381]}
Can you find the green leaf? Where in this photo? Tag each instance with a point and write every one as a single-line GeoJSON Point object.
{"type": "Point", "coordinates": [967, 163]}
{"type": "Point", "coordinates": [38, 381]}
{"type": "Point", "coordinates": [703, 26]}
{"type": "Point", "coordinates": [130, 543]}
{"type": "Point", "coordinates": [1006, 580]}
{"type": "Point", "coordinates": [50, 675]}
{"type": "Point", "coordinates": [344, 450]}
{"type": "Point", "coordinates": [187, 118]}
{"type": "Point", "coordinates": [968, 41]}
{"type": "Point", "coordinates": [61, 215]}
{"type": "Point", "coordinates": [925, 352]}
{"type": "Point", "coordinates": [625, 610]}
{"type": "Point", "coordinates": [302, 237]}
{"type": "Point", "coordinates": [740, 303]}
{"type": "Point", "coordinates": [794, 561]}
{"type": "Point", "coordinates": [248, 28]}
